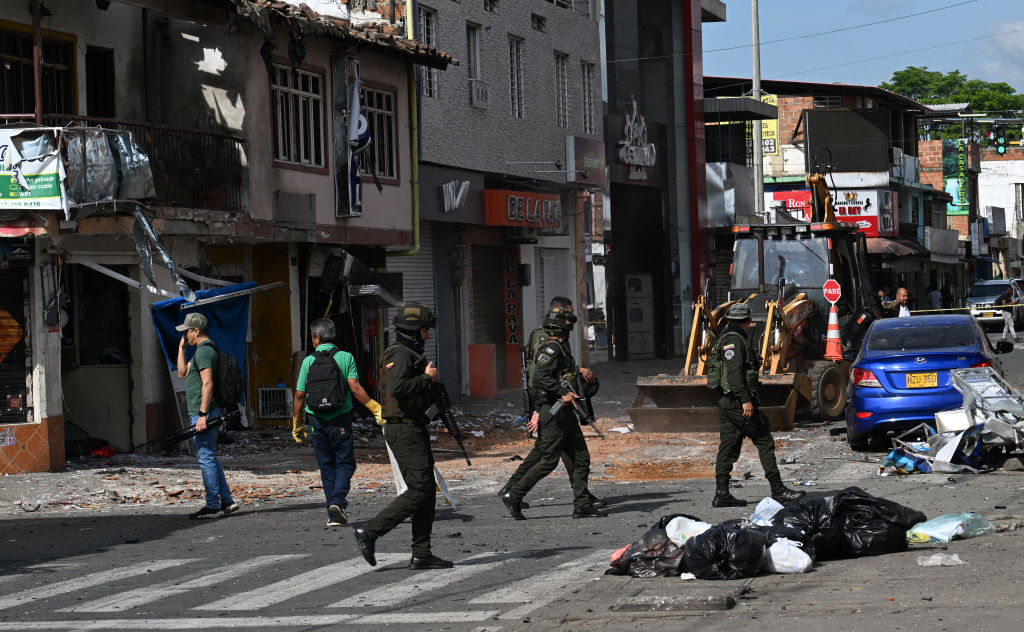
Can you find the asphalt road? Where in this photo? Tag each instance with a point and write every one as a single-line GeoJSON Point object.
{"type": "Point", "coordinates": [146, 568]}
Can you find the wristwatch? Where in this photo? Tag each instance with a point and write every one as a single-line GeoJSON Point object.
{"type": "Point", "coordinates": [202, 414]}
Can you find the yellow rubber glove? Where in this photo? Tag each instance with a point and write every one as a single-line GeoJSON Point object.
{"type": "Point", "coordinates": [299, 430]}
{"type": "Point", "coordinates": [374, 408]}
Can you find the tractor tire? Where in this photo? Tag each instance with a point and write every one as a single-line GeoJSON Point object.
{"type": "Point", "coordinates": [828, 391]}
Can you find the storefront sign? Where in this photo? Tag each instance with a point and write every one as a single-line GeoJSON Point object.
{"type": "Point", "coordinates": [585, 160]}
{"type": "Point", "coordinates": [869, 209]}
{"type": "Point", "coordinates": [453, 195]}
{"type": "Point", "coordinates": [769, 130]}
{"type": "Point", "coordinates": [954, 175]}
{"type": "Point", "coordinates": [797, 203]}
{"type": "Point", "coordinates": [523, 209]}
{"type": "Point", "coordinates": [16, 253]}
{"type": "Point", "coordinates": [634, 150]}
{"type": "Point", "coordinates": [510, 290]}
{"type": "Point", "coordinates": [30, 169]}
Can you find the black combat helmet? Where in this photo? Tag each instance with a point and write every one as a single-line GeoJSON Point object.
{"type": "Point", "coordinates": [412, 316]}
{"type": "Point", "coordinates": [559, 319]}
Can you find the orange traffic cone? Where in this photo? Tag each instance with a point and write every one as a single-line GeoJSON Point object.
{"type": "Point", "coordinates": [833, 345]}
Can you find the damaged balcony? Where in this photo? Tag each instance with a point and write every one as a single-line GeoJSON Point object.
{"type": "Point", "coordinates": [191, 169]}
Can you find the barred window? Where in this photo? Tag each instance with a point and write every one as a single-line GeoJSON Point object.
{"type": "Point", "coordinates": [298, 116]}
{"type": "Point", "coordinates": [828, 103]}
{"type": "Point", "coordinates": [589, 121]}
{"type": "Point", "coordinates": [473, 50]}
{"type": "Point", "coordinates": [515, 75]}
{"type": "Point", "coordinates": [379, 110]}
{"type": "Point", "coordinates": [562, 89]}
{"type": "Point", "coordinates": [426, 32]}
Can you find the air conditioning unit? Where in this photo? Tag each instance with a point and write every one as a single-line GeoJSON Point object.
{"type": "Point", "coordinates": [895, 157]}
{"type": "Point", "coordinates": [479, 93]}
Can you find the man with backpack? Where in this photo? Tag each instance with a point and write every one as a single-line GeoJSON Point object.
{"type": "Point", "coordinates": [327, 381]}
{"type": "Point", "coordinates": [201, 375]}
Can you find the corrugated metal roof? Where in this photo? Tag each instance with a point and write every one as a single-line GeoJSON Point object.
{"type": "Point", "coordinates": [950, 107]}
{"type": "Point", "coordinates": [383, 37]}
{"type": "Point", "coordinates": [737, 86]}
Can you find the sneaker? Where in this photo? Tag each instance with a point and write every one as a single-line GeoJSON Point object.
{"type": "Point", "coordinates": [229, 508]}
{"type": "Point", "coordinates": [205, 514]}
{"type": "Point", "coordinates": [333, 523]}
{"type": "Point", "coordinates": [337, 514]}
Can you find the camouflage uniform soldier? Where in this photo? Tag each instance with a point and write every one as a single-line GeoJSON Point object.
{"type": "Point", "coordinates": [733, 369]}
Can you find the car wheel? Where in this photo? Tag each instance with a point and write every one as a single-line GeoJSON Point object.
{"type": "Point", "coordinates": [828, 391]}
{"type": "Point", "coordinates": [860, 443]}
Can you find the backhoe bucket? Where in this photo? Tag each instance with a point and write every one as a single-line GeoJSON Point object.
{"type": "Point", "coordinates": [684, 403]}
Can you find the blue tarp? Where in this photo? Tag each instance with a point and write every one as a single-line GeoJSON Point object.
{"type": "Point", "coordinates": [229, 323]}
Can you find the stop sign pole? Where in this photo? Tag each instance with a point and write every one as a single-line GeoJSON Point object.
{"type": "Point", "coordinates": [832, 291]}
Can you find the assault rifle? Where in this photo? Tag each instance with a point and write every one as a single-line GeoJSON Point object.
{"type": "Point", "coordinates": [185, 434]}
{"type": "Point", "coordinates": [527, 400]}
{"type": "Point", "coordinates": [584, 414]}
{"type": "Point", "coordinates": [442, 409]}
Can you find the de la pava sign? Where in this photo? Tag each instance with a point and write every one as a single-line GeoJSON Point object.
{"type": "Point", "coordinates": [634, 150]}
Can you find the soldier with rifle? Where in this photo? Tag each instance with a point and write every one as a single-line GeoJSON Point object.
{"type": "Point", "coordinates": [590, 383]}
{"type": "Point", "coordinates": [559, 434]}
{"type": "Point", "coordinates": [406, 393]}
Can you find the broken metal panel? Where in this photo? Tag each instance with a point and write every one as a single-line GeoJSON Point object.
{"type": "Point", "coordinates": [147, 229]}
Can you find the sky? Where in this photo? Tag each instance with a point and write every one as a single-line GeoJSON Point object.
{"type": "Point", "coordinates": [935, 39]}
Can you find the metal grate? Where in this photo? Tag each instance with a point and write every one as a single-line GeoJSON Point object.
{"type": "Point", "coordinates": [275, 402]}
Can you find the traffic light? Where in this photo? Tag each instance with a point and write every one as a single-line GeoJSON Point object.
{"type": "Point", "coordinates": [1001, 140]}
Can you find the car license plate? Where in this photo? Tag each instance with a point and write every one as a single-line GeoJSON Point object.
{"type": "Point", "coordinates": [988, 315]}
{"type": "Point", "coordinates": [922, 380]}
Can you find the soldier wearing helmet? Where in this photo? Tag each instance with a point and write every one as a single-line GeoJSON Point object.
{"type": "Point", "coordinates": [733, 370]}
{"type": "Point", "coordinates": [559, 435]}
{"type": "Point", "coordinates": [405, 385]}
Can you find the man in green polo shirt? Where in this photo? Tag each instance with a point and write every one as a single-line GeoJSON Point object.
{"type": "Point", "coordinates": [199, 375]}
{"type": "Point", "coordinates": [324, 396]}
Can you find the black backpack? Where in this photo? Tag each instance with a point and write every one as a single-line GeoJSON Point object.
{"type": "Point", "coordinates": [227, 386]}
{"type": "Point", "coordinates": [325, 390]}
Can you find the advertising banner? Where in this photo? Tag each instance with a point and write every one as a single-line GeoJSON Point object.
{"type": "Point", "coordinates": [31, 171]}
{"type": "Point", "coordinates": [869, 209]}
{"type": "Point", "coordinates": [954, 176]}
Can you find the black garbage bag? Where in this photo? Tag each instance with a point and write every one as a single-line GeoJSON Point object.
{"type": "Point", "coordinates": [653, 555]}
{"type": "Point", "coordinates": [872, 525]}
{"type": "Point", "coordinates": [812, 523]}
{"type": "Point", "coordinates": [726, 552]}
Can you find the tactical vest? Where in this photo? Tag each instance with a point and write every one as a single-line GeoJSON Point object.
{"type": "Point", "coordinates": [717, 377]}
{"type": "Point", "coordinates": [412, 407]}
{"type": "Point", "coordinates": [567, 371]}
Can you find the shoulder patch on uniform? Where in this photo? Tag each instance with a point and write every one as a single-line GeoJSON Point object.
{"type": "Point", "coordinates": [543, 358]}
{"type": "Point", "coordinates": [389, 365]}
{"type": "Point", "coordinates": [729, 354]}
{"type": "Point", "coordinates": [729, 346]}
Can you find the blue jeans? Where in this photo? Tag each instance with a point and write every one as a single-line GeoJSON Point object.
{"type": "Point", "coordinates": [333, 446]}
{"type": "Point", "coordinates": [217, 491]}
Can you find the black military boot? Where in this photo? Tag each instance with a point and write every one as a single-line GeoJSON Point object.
{"type": "Point", "coordinates": [590, 511]}
{"type": "Point", "coordinates": [783, 494]}
{"type": "Point", "coordinates": [597, 503]}
{"type": "Point", "coordinates": [366, 545]}
{"type": "Point", "coordinates": [722, 496]}
{"type": "Point", "coordinates": [515, 509]}
{"type": "Point", "coordinates": [504, 492]}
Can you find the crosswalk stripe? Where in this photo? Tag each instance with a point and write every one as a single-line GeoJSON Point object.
{"type": "Point", "coordinates": [545, 585]}
{"type": "Point", "coordinates": [92, 579]}
{"type": "Point", "coordinates": [424, 581]}
{"type": "Point", "coordinates": [133, 598]}
{"type": "Point", "coordinates": [301, 584]}
{"type": "Point", "coordinates": [425, 617]}
{"type": "Point", "coordinates": [184, 623]}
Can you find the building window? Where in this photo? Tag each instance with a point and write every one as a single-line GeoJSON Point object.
{"type": "Point", "coordinates": [379, 110]}
{"type": "Point", "coordinates": [828, 103]}
{"type": "Point", "coordinates": [298, 116]}
{"type": "Point", "coordinates": [473, 51]}
{"type": "Point", "coordinates": [426, 27]}
{"type": "Point", "coordinates": [17, 92]}
{"type": "Point", "coordinates": [538, 22]}
{"type": "Point", "coordinates": [515, 75]}
{"type": "Point", "coordinates": [1018, 202]}
{"type": "Point", "coordinates": [589, 122]}
{"type": "Point", "coordinates": [562, 89]}
{"type": "Point", "coordinates": [491, 6]}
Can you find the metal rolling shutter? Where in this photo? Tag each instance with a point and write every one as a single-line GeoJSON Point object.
{"type": "Point", "coordinates": [417, 281]}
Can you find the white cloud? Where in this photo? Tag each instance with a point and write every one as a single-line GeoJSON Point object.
{"type": "Point", "coordinates": [1005, 55]}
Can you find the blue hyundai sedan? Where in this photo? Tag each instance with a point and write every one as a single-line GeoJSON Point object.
{"type": "Point", "coordinates": [901, 375]}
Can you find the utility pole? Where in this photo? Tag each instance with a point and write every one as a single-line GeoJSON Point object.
{"type": "Point", "coordinates": [756, 124]}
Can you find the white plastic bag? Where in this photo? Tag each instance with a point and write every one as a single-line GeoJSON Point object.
{"type": "Point", "coordinates": [949, 527]}
{"type": "Point", "coordinates": [786, 556]}
{"type": "Point", "coordinates": [765, 511]}
{"type": "Point", "coordinates": [679, 529]}
{"type": "Point", "coordinates": [940, 559]}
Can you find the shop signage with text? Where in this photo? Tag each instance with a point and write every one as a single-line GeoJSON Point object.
{"type": "Point", "coordinates": [522, 208]}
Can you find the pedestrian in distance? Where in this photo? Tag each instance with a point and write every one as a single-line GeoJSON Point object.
{"type": "Point", "coordinates": [902, 297]}
{"type": "Point", "coordinates": [935, 298]}
{"type": "Point", "coordinates": [559, 433]}
{"type": "Point", "coordinates": [538, 337]}
{"type": "Point", "coordinates": [199, 375]}
{"type": "Point", "coordinates": [323, 397]}
{"type": "Point", "coordinates": [405, 388]}
{"type": "Point", "coordinates": [733, 370]}
{"type": "Point", "coordinates": [1009, 332]}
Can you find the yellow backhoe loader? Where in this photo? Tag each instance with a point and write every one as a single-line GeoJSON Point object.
{"type": "Point", "coordinates": [779, 270]}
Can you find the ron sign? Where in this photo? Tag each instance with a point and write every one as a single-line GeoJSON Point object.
{"type": "Point", "coordinates": [832, 291]}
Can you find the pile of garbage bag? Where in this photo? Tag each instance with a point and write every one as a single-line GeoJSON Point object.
{"type": "Point", "coordinates": [776, 538]}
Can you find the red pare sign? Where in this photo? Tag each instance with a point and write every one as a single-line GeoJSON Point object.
{"type": "Point", "coordinates": [832, 290]}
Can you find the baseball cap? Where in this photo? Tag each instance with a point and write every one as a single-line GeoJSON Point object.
{"type": "Point", "coordinates": [195, 320]}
